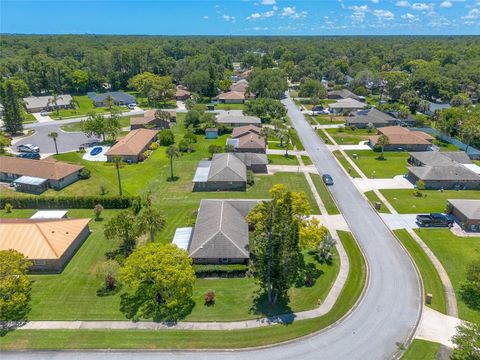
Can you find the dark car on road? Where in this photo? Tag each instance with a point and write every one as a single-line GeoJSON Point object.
{"type": "Point", "coordinates": [327, 179]}
{"type": "Point", "coordinates": [434, 220]}
{"type": "Point", "coordinates": [33, 156]}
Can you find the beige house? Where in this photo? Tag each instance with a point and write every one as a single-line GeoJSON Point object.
{"type": "Point", "coordinates": [400, 138]}
{"type": "Point", "coordinates": [148, 120]}
{"type": "Point", "coordinates": [48, 243]}
{"type": "Point", "coordinates": [232, 97]}
{"type": "Point", "coordinates": [131, 147]}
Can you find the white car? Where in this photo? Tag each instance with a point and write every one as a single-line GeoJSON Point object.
{"type": "Point", "coordinates": [28, 148]}
{"type": "Point", "coordinates": [132, 106]}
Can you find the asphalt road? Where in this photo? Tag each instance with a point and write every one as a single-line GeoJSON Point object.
{"type": "Point", "coordinates": [386, 316]}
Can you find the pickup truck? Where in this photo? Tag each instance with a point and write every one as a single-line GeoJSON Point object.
{"type": "Point", "coordinates": [434, 220]}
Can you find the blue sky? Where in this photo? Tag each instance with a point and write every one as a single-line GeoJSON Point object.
{"type": "Point", "coordinates": [242, 17]}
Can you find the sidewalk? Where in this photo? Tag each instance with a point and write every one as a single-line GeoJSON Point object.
{"type": "Point", "coordinates": [436, 327]}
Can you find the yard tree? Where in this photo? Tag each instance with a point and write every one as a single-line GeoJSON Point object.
{"type": "Point", "coordinates": [382, 141]}
{"type": "Point", "coordinates": [79, 79]}
{"type": "Point", "coordinates": [472, 285]}
{"type": "Point", "coordinates": [411, 99]}
{"type": "Point", "coordinates": [14, 288]}
{"type": "Point", "coordinates": [54, 101]}
{"type": "Point", "coordinates": [275, 252]}
{"type": "Point", "coordinates": [166, 137]}
{"type": "Point", "coordinates": [162, 115]}
{"type": "Point", "coordinates": [4, 142]}
{"type": "Point", "coordinates": [312, 233]}
{"type": "Point", "coordinates": [172, 153]}
{"type": "Point", "coordinates": [117, 160]}
{"type": "Point", "coordinates": [396, 83]}
{"type": "Point", "coordinates": [403, 112]}
{"type": "Point", "coordinates": [470, 128]}
{"type": "Point", "coordinates": [150, 220]}
{"type": "Point", "coordinates": [12, 113]}
{"type": "Point", "coordinates": [112, 124]}
{"type": "Point", "coordinates": [266, 109]}
{"type": "Point", "coordinates": [449, 120]}
{"type": "Point", "coordinates": [54, 135]}
{"type": "Point", "coordinates": [197, 81]}
{"type": "Point", "coordinates": [109, 102]}
{"type": "Point", "coordinates": [300, 203]}
{"type": "Point", "coordinates": [123, 227]}
{"type": "Point", "coordinates": [467, 342]}
{"type": "Point", "coordinates": [460, 100]}
{"type": "Point", "coordinates": [94, 125]}
{"type": "Point", "coordinates": [97, 210]}
{"type": "Point", "coordinates": [268, 83]}
{"type": "Point", "coordinates": [214, 149]}
{"type": "Point", "coordinates": [159, 283]}
{"type": "Point", "coordinates": [423, 106]}
{"type": "Point", "coordinates": [74, 104]}
{"type": "Point", "coordinates": [312, 88]}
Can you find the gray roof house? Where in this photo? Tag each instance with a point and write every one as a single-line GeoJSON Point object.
{"type": "Point", "coordinates": [235, 118]}
{"type": "Point", "coordinates": [221, 233]}
{"type": "Point", "coordinates": [35, 104]}
{"type": "Point", "coordinates": [343, 94]}
{"type": "Point", "coordinates": [444, 170]}
{"type": "Point", "coordinates": [119, 98]}
{"type": "Point", "coordinates": [376, 117]}
{"type": "Point", "coordinates": [348, 105]}
{"type": "Point", "coordinates": [466, 212]}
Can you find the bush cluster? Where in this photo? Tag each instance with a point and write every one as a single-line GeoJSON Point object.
{"type": "Point", "coordinates": [67, 202]}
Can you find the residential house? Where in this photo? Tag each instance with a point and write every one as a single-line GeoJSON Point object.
{"type": "Point", "coordinates": [231, 97]}
{"type": "Point", "coordinates": [36, 176]}
{"type": "Point", "coordinates": [247, 139]}
{"type": "Point", "coordinates": [346, 106]}
{"type": "Point", "coordinates": [400, 139]}
{"type": "Point", "coordinates": [377, 118]}
{"type": "Point", "coordinates": [148, 120]}
{"type": "Point", "coordinates": [48, 243]}
{"type": "Point", "coordinates": [240, 86]}
{"type": "Point", "coordinates": [35, 104]}
{"type": "Point", "coordinates": [182, 94]}
{"type": "Point", "coordinates": [343, 94]}
{"type": "Point", "coordinates": [256, 162]}
{"type": "Point", "coordinates": [444, 170]}
{"type": "Point", "coordinates": [466, 212]}
{"type": "Point", "coordinates": [131, 147]}
{"type": "Point", "coordinates": [235, 118]}
{"type": "Point", "coordinates": [221, 235]}
{"type": "Point", "coordinates": [120, 98]}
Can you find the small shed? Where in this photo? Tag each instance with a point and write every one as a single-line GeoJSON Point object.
{"type": "Point", "coordinates": [211, 133]}
{"type": "Point", "coordinates": [31, 184]}
{"type": "Point", "coordinates": [182, 237]}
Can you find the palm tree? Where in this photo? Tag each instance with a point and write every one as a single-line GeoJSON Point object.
{"type": "Point", "coordinates": [287, 137]}
{"type": "Point", "coordinates": [150, 220]}
{"type": "Point", "coordinates": [266, 132]}
{"type": "Point", "coordinates": [382, 141]}
{"type": "Point", "coordinates": [118, 160]}
{"type": "Point", "coordinates": [54, 135]}
{"type": "Point", "coordinates": [282, 134]}
{"type": "Point", "coordinates": [162, 115]}
{"type": "Point", "coordinates": [172, 153]}
{"type": "Point", "coordinates": [109, 101]}
{"type": "Point", "coordinates": [74, 104]}
{"type": "Point", "coordinates": [54, 100]}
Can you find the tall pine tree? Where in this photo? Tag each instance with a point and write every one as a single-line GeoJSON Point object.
{"type": "Point", "coordinates": [12, 115]}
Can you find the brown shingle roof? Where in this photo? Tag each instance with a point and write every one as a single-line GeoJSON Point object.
{"type": "Point", "coordinates": [40, 238]}
{"type": "Point", "coordinates": [133, 143]}
{"type": "Point", "coordinates": [47, 169]}
{"type": "Point", "coordinates": [180, 92]}
{"type": "Point", "coordinates": [398, 135]}
{"type": "Point", "coordinates": [232, 95]}
{"type": "Point", "coordinates": [251, 141]}
{"type": "Point", "coordinates": [243, 130]}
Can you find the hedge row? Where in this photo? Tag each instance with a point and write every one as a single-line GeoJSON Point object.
{"type": "Point", "coordinates": [227, 270]}
{"type": "Point", "coordinates": [67, 202]}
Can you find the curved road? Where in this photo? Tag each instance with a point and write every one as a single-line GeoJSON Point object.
{"type": "Point", "coordinates": [386, 316]}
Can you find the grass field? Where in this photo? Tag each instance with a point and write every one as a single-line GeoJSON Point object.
{"type": "Point", "coordinates": [306, 160]}
{"type": "Point", "coordinates": [177, 339]}
{"type": "Point", "coordinates": [229, 106]}
{"type": "Point", "coordinates": [346, 165]}
{"type": "Point", "coordinates": [347, 136]}
{"type": "Point", "coordinates": [325, 195]}
{"type": "Point", "coordinates": [322, 136]}
{"type": "Point", "coordinates": [85, 106]}
{"type": "Point", "coordinates": [282, 160]}
{"type": "Point", "coordinates": [394, 163]}
{"type": "Point", "coordinates": [373, 198]}
{"type": "Point", "coordinates": [421, 350]}
{"type": "Point", "coordinates": [432, 201]}
{"type": "Point", "coordinates": [327, 120]}
{"type": "Point", "coordinates": [455, 253]}
{"type": "Point", "coordinates": [431, 280]}
{"type": "Point", "coordinates": [27, 117]}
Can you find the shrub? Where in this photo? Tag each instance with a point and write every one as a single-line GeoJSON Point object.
{"type": "Point", "coordinates": [84, 174]}
{"type": "Point", "coordinates": [8, 208]}
{"type": "Point", "coordinates": [186, 146]}
{"type": "Point", "coordinates": [147, 153]}
{"type": "Point", "coordinates": [227, 270]}
{"type": "Point", "coordinates": [420, 184]}
{"type": "Point", "coordinates": [214, 149]}
{"type": "Point", "coordinates": [72, 202]}
{"type": "Point", "coordinates": [166, 137]}
{"type": "Point", "coordinates": [190, 136]}
{"type": "Point", "coordinates": [417, 193]}
{"type": "Point", "coordinates": [153, 146]}
{"type": "Point", "coordinates": [98, 211]}
{"type": "Point", "coordinates": [250, 178]}
{"type": "Point", "coordinates": [209, 298]}
{"type": "Point", "coordinates": [103, 189]}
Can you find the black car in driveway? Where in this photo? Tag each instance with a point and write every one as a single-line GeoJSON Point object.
{"type": "Point", "coordinates": [434, 220]}
{"type": "Point", "coordinates": [327, 179]}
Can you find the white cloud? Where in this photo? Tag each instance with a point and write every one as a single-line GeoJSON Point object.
{"type": "Point", "coordinates": [446, 4]}
{"type": "Point", "coordinates": [375, 1]}
{"type": "Point", "coordinates": [205, 17]}
{"type": "Point", "coordinates": [403, 4]}
{"type": "Point", "coordinates": [472, 14]}
{"type": "Point", "coordinates": [268, 2]}
{"type": "Point", "coordinates": [263, 15]}
{"type": "Point", "coordinates": [409, 17]}
{"type": "Point", "coordinates": [228, 18]}
{"type": "Point", "coordinates": [384, 14]}
{"type": "Point", "coordinates": [420, 6]}
{"type": "Point", "coordinates": [358, 13]}
{"type": "Point", "coordinates": [254, 16]}
{"type": "Point", "coordinates": [291, 12]}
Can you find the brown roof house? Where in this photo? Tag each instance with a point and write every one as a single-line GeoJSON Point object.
{"type": "Point", "coordinates": [466, 212]}
{"type": "Point", "coordinates": [247, 139]}
{"type": "Point", "coordinates": [182, 93]}
{"type": "Point", "coordinates": [48, 243]}
{"type": "Point", "coordinates": [36, 176]}
{"type": "Point", "coordinates": [148, 120]}
{"type": "Point", "coordinates": [400, 138]}
{"type": "Point", "coordinates": [232, 97]}
{"type": "Point", "coordinates": [235, 118]}
{"type": "Point", "coordinates": [362, 118]}
{"type": "Point", "coordinates": [220, 235]}
{"type": "Point", "coordinates": [444, 170]}
{"type": "Point", "coordinates": [131, 147]}
{"type": "Point", "coordinates": [241, 86]}
{"type": "Point", "coordinates": [228, 171]}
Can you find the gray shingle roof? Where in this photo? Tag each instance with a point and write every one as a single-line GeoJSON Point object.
{"type": "Point", "coordinates": [250, 159]}
{"type": "Point", "coordinates": [373, 116]}
{"type": "Point", "coordinates": [455, 172]}
{"type": "Point", "coordinates": [33, 102]}
{"type": "Point", "coordinates": [436, 158]}
{"type": "Point", "coordinates": [118, 96]}
{"type": "Point", "coordinates": [344, 94]}
{"type": "Point", "coordinates": [348, 103]}
{"type": "Point", "coordinates": [221, 230]}
{"type": "Point", "coordinates": [227, 167]}
{"type": "Point", "coordinates": [469, 208]}
{"type": "Point", "coordinates": [231, 117]}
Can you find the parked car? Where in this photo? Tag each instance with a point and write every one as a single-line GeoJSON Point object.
{"type": "Point", "coordinates": [317, 108]}
{"type": "Point", "coordinates": [132, 106]}
{"type": "Point", "coordinates": [32, 155]}
{"type": "Point", "coordinates": [434, 220]}
{"type": "Point", "coordinates": [327, 179]}
{"type": "Point", "coordinates": [44, 113]}
{"type": "Point", "coordinates": [28, 148]}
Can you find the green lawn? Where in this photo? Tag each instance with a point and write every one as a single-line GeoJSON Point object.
{"type": "Point", "coordinates": [178, 339]}
{"type": "Point", "coordinates": [296, 140]}
{"type": "Point", "coordinates": [143, 103]}
{"type": "Point", "coordinates": [27, 117]}
{"type": "Point", "coordinates": [275, 144]}
{"type": "Point", "coordinates": [282, 160]}
{"type": "Point", "coordinates": [327, 120]}
{"type": "Point", "coordinates": [445, 146]}
{"type": "Point", "coordinates": [77, 126]}
{"type": "Point", "coordinates": [431, 280]}
{"type": "Point", "coordinates": [347, 136]}
{"type": "Point", "coordinates": [325, 195]}
{"type": "Point", "coordinates": [346, 165]}
{"type": "Point", "coordinates": [85, 105]}
{"type": "Point", "coordinates": [422, 350]}
{"type": "Point", "coordinates": [229, 106]}
{"type": "Point", "coordinates": [322, 136]}
{"type": "Point", "coordinates": [394, 163]}
{"type": "Point", "coordinates": [373, 198]}
{"type": "Point", "coordinates": [455, 253]}
{"type": "Point", "coordinates": [306, 160]}
{"type": "Point", "coordinates": [310, 119]}
{"type": "Point", "coordinates": [432, 201]}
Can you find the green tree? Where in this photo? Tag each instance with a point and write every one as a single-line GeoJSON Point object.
{"type": "Point", "coordinates": [382, 141]}
{"type": "Point", "coordinates": [109, 102]}
{"type": "Point", "coordinates": [74, 104]}
{"type": "Point", "coordinates": [123, 227]}
{"type": "Point", "coordinates": [166, 137]}
{"type": "Point", "coordinates": [14, 288]}
{"type": "Point", "coordinates": [54, 135]}
{"type": "Point", "coordinates": [162, 115]}
{"type": "Point", "coordinates": [214, 149]}
{"type": "Point", "coordinates": [396, 83]}
{"type": "Point", "coordinates": [467, 342]}
{"type": "Point", "coordinates": [403, 112]}
{"type": "Point", "coordinates": [266, 109]}
{"type": "Point", "coordinates": [268, 83]}
{"type": "Point", "coordinates": [150, 220]}
{"type": "Point", "coordinates": [80, 80]}
{"type": "Point", "coordinates": [94, 125]}
{"type": "Point", "coordinates": [4, 142]}
{"type": "Point", "coordinates": [449, 120]}
{"type": "Point", "coordinates": [159, 281]}
{"type": "Point", "coordinates": [117, 160]}
{"type": "Point", "coordinates": [470, 128]}
{"type": "Point", "coordinates": [460, 100]}
{"type": "Point", "coordinates": [112, 124]}
{"type": "Point", "coordinates": [12, 114]}
{"type": "Point", "coordinates": [275, 252]}
{"type": "Point", "coordinates": [312, 88]}
{"type": "Point", "coordinates": [172, 153]}
{"type": "Point", "coordinates": [312, 233]}
{"type": "Point", "coordinates": [53, 100]}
